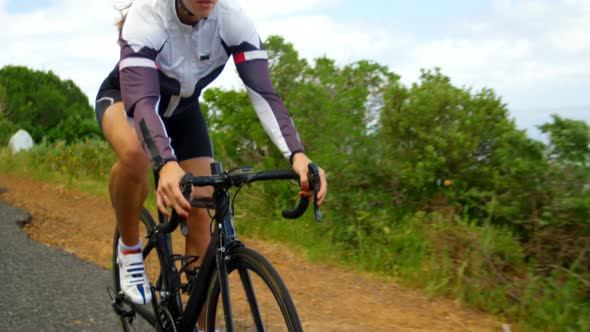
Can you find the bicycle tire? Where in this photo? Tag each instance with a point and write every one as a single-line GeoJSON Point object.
{"type": "Point", "coordinates": [244, 259]}
{"type": "Point", "coordinates": [143, 317]}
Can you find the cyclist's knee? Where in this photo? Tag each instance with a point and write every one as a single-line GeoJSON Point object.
{"type": "Point", "coordinates": [202, 192]}
{"type": "Point", "coordinates": [135, 164]}
{"type": "Point", "coordinates": [121, 135]}
{"type": "Point", "coordinates": [199, 214]}
{"type": "Point", "coordinates": [135, 158]}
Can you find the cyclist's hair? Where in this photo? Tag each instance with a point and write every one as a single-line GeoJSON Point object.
{"type": "Point", "coordinates": [121, 21]}
{"type": "Point", "coordinates": [122, 6]}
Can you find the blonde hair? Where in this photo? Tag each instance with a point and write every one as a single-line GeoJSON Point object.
{"type": "Point", "coordinates": [122, 6]}
{"type": "Point", "coordinates": [121, 21]}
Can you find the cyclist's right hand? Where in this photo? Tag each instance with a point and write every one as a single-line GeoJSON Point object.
{"type": "Point", "coordinates": [168, 194]}
{"type": "Point", "coordinates": [300, 166]}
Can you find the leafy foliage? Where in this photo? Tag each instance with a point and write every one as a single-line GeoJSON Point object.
{"type": "Point", "coordinates": [43, 105]}
{"type": "Point", "coordinates": [494, 198]}
{"type": "Point", "coordinates": [569, 140]}
{"type": "Point", "coordinates": [430, 183]}
{"type": "Point", "coordinates": [562, 236]}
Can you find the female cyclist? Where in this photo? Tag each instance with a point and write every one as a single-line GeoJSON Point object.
{"type": "Point", "coordinates": [148, 110]}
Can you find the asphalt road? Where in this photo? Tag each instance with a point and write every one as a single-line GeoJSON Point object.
{"type": "Point", "coordinates": [46, 289]}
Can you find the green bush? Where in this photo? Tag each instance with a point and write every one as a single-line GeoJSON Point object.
{"type": "Point", "coordinates": [431, 184]}
{"type": "Point", "coordinates": [44, 105]}
{"type": "Point", "coordinates": [7, 129]}
{"type": "Point", "coordinates": [555, 303]}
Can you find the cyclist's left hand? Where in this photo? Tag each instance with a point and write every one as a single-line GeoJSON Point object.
{"type": "Point", "coordinates": [300, 162]}
{"type": "Point", "coordinates": [168, 194]}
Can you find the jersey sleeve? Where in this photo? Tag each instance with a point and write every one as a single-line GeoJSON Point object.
{"type": "Point", "coordinates": [140, 40]}
{"type": "Point", "coordinates": [243, 43]}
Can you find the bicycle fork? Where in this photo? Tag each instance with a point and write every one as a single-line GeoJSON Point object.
{"type": "Point", "coordinates": [227, 237]}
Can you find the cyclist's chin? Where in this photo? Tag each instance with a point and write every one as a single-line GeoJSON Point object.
{"type": "Point", "coordinates": [201, 13]}
{"type": "Point", "coordinates": [204, 8]}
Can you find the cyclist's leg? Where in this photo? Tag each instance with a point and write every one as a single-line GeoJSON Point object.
{"type": "Point", "coordinates": [129, 180]}
{"type": "Point", "coordinates": [199, 233]}
{"type": "Point", "coordinates": [192, 145]}
{"type": "Point", "coordinates": [128, 188]}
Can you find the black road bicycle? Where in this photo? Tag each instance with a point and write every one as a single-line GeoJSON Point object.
{"type": "Point", "coordinates": [235, 287]}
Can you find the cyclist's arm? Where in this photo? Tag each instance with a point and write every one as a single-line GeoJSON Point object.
{"type": "Point", "coordinates": [243, 43]}
{"type": "Point", "coordinates": [140, 39]}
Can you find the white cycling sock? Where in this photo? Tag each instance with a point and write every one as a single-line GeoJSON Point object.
{"type": "Point", "coordinates": [124, 247]}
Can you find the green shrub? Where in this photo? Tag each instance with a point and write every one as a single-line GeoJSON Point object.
{"type": "Point", "coordinates": [430, 184]}
{"type": "Point", "coordinates": [7, 129]}
{"type": "Point", "coordinates": [44, 105]}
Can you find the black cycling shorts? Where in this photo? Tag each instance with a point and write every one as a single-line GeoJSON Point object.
{"type": "Point", "coordinates": [187, 131]}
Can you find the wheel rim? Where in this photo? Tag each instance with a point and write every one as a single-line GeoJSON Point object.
{"type": "Point", "coordinates": [271, 311]}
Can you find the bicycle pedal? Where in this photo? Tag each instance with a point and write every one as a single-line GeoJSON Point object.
{"type": "Point", "coordinates": [119, 308]}
{"type": "Point", "coordinates": [121, 311]}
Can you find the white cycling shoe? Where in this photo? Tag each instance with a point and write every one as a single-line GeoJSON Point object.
{"type": "Point", "coordinates": [132, 276]}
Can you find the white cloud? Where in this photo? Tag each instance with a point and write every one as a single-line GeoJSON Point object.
{"type": "Point", "coordinates": [74, 39]}
{"type": "Point", "coordinates": [517, 45]}
{"type": "Point", "coordinates": [521, 45]}
{"type": "Point", "coordinates": [532, 52]}
{"type": "Point", "coordinates": [315, 36]}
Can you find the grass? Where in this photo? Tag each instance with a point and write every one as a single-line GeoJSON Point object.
{"type": "Point", "coordinates": [82, 166]}
{"type": "Point", "coordinates": [480, 264]}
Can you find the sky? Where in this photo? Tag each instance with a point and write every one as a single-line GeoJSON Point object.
{"type": "Point", "coordinates": [535, 54]}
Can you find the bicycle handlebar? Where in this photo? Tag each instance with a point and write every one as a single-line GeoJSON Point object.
{"type": "Point", "coordinates": [241, 176]}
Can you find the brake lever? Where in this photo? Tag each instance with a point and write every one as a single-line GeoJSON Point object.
{"type": "Point", "coordinates": [315, 181]}
{"type": "Point", "coordinates": [186, 186]}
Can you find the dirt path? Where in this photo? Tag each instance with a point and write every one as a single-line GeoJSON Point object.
{"type": "Point", "coordinates": [328, 298]}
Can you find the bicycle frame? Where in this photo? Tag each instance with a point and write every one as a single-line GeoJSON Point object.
{"type": "Point", "coordinates": [223, 241]}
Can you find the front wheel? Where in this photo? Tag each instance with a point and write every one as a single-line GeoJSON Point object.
{"type": "Point", "coordinates": [259, 299]}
